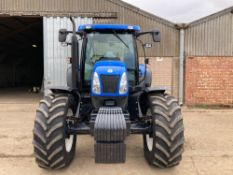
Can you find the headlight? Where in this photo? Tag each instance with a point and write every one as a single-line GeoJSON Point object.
{"type": "Point", "coordinates": [96, 84]}
{"type": "Point", "coordinates": [123, 84]}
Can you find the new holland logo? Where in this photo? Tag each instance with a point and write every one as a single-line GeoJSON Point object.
{"type": "Point", "coordinates": [110, 71]}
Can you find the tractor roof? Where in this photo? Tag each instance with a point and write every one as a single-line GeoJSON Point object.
{"type": "Point", "coordinates": [101, 27]}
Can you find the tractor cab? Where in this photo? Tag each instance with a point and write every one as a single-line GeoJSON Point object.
{"type": "Point", "coordinates": [110, 62]}
{"type": "Point", "coordinates": [110, 43]}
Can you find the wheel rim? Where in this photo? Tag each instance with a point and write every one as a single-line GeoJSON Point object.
{"type": "Point", "coordinates": [69, 141]}
{"type": "Point", "coordinates": [149, 139]}
{"type": "Point", "coordinates": [149, 142]}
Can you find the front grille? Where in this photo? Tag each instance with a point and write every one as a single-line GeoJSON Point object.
{"type": "Point", "coordinates": [110, 83]}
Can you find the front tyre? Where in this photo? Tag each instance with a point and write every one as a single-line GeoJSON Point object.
{"type": "Point", "coordinates": [164, 146]}
{"type": "Point", "coordinates": [53, 147]}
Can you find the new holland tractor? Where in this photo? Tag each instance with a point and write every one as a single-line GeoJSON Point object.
{"type": "Point", "coordinates": [108, 96]}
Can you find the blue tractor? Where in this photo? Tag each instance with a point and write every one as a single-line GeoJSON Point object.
{"type": "Point", "coordinates": [108, 96]}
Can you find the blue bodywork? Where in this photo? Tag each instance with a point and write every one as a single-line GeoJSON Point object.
{"type": "Point", "coordinates": [142, 70]}
{"type": "Point", "coordinates": [109, 67]}
{"type": "Point", "coordinates": [101, 27]}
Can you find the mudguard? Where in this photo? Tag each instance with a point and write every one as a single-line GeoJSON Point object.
{"type": "Point", "coordinates": [143, 98]}
{"type": "Point", "coordinates": [161, 89]}
{"type": "Point", "coordinates": [64, 90]}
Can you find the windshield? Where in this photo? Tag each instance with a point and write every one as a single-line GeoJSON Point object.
{"type": "Point", "coordinates": [111, 46]}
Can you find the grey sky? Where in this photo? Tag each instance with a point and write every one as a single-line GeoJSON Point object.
{"type": "Point", "coordinates": [181, 10]}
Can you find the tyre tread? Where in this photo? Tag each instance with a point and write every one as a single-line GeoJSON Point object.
{"type": "Point", "coordinates": [48, 140]}
{"type": "Point", "coordinates": [168, 132]}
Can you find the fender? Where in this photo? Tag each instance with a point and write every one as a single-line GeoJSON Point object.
{"type": "Point", "coordinates": [143, 98]}
{"type": "Point", "coordinates": [71, 91]}
{"type": "Point", "coordinates": [149, 90]}
{"type": "Point", "coordinates": [64, 90]}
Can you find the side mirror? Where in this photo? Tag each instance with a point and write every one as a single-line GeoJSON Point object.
{"type": "Point", "coordinates": [62, 35]}
{"type": "Point", "coordinates": [156, 36]}
{"type": "Point", "coordinates": [147, 61]}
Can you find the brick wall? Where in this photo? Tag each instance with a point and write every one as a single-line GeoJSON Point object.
{"type": "Point", "coordinates": [209, 80]}
{"type": "Point", "coordinates": [164, 73]}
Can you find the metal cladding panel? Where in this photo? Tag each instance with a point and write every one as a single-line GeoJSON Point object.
{"type": "Point", "coordinates": [55, 62]}
{"type": "Point", "coordinates": [213, 37]}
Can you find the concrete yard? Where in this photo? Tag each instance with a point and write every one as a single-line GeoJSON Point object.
{"type": "Point", "coordinates": [208, 144]}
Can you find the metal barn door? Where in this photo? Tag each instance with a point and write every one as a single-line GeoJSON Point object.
{"type": "Point", "coordinates": [55, 62]}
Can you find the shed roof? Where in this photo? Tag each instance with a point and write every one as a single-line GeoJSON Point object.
{"type": "Point", "coordinates": [212, 16]}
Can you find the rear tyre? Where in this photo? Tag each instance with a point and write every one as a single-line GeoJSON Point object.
{"type": "Point", "coordinates": [53, 147]}
{"type": "Point", "coordinates": [163, 148]}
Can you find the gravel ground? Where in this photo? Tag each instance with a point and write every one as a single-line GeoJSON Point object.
{"type": "Point", "coordinates": [208, 144]}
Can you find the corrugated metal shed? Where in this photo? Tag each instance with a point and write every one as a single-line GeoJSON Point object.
{"type": "Point", "coordinates": [102, 11]}
{"type": "Point", "coordinates": [55, 55]}
{"type": "Point", "coordinates": [211, 36]}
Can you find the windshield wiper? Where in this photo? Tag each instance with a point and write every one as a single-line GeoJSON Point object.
{"type": "Point", "coordinates": [118, 37]}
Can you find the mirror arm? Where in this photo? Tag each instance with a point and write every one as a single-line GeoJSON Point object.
{"type": "Point", "coordinates": [155, 35]}
{"type": "Point", "coordinates": [73, 25]}
{"type": "Point", "coordinates": [78, 33]}
{"type": "Point", "coordinates": [144, 33]}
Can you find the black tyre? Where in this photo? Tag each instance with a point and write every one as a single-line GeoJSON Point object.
{"type": "Point", "coordinates": [53, 147]}
{"type": "Point", "coordinates": [164, 146]}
